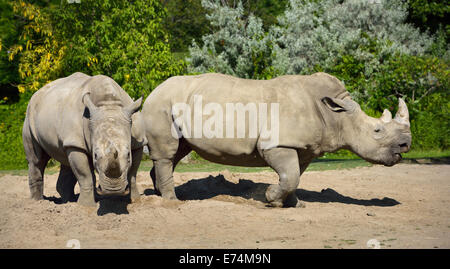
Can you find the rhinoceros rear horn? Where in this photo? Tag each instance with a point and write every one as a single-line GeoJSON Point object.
{"type": "Point", "coordinates": [133, 108]}
{"type": "Point", "coordinates": [402, 115]}
{"type": "Point", "coordinates": [387, 116]}
{"type": "Point", "coordinates": [88, 103]}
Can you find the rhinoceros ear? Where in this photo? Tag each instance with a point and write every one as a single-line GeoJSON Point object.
{"type": "Point", "coordinates": [88, 103]}
{"type": "Point", "coordinates": [339, 105]}
{"type": "Point", "coordinates": [133, 108]}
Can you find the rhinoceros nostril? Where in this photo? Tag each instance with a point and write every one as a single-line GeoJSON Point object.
{"type": "Point", "coordinates": [404, 147]}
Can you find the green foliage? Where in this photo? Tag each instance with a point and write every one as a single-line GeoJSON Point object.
{"type": "Point", "coordinates": [429, 14]}
{"type": "Point", "coordinates": [43, 41]}
{"type": "Point", "coordinates": [184, 22]}
{"type": "Point", "coordinates": [267, 10]}
{"type": "Point", "coordinates": [238, 47]}
{"type": "Point", "coordinates": [12, 155]}
{"type": "Point", "coordinates": [186, 19]}
{"type": "Point", "coordinates": [121, 39]}
{"type": "Point", "coordinates": [39, 52]}
{"type": "Point", "coordinates": [8, 36]}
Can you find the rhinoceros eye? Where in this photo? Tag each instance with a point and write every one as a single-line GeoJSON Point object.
{"type": "Point", "coordinates": [377, 130]}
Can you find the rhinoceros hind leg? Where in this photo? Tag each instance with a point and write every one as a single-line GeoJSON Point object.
{"type": "Point", "coordinates": [83, 170]}
{"type": "Point", "coordinates": [37, 160]}
{"type": "Point", "coordinates": [285, 162]}
{"type": "Point", "coordinates": [136, 160]}
{"type": "Point", "coordinates": [66, 184]}
{"type": "Point", "coordinates": [36, 177]}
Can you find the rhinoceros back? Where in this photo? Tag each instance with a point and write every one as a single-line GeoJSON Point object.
{"type": "Point", "coordinates": [298, 97]}
{"type": "Point", "coordinates": [54, 115]}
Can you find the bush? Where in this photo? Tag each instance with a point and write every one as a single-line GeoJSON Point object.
{"type": "Point", "coordinates": [239, 46]}
{"type": "Point", "coordinates": [124, 40]}
{"type": "Point", "coordinates": [121, 39]}
{"type": "Point", "coordinates": [315, 33]}
{"type": "Point", "coordinates": [12, 154]}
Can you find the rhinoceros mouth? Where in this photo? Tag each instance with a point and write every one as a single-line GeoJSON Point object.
{"type": "Point", "coordinates": [396, 158]}
{"type": "Point", "coordinates": [113, 192]}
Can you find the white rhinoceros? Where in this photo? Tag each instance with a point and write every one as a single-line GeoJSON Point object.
{"type": "Point", "coordinates": [310, 115]}
{"type": "Point", "coordinates": [86, 123]}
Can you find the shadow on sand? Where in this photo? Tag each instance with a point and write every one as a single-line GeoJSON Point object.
{"type": "Point", "coordinates": [209, 187]}
{"type": "Point", "coordinates": [116, 205]}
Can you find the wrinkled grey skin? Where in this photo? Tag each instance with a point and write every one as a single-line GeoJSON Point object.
{"type": "Point", "coordinates": [316, 115]}
{"type": "Point", "coordinates": [87, 124]}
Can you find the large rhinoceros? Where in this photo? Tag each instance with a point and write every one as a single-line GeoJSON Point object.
{"type": "Point", "coordinates": [311, 115]}
{"type": "Point", "coordinates": [88, 124]}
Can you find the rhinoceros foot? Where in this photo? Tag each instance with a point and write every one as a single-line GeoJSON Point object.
{"type": "Point", "coordinates": [134, 195]}
{"type": "Point", "coordinates": [37, 191]}
{"type": "Point", "coordinates": [273, 196]}
{"type": "Point", "coordinates": [293, 201]}
{"type": "Point", "coordinates": [86, 198]}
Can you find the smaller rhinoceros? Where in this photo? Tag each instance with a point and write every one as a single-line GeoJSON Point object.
{"type": "Point", "coordinates": [88, 124]}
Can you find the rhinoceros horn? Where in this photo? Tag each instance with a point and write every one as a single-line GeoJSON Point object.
{"type": "Point", "coordinates": [111, 150]}
{"type": "Point", "coordinates": [387, 116]}
{"type": "Point", "coordinates": [402, 115]}
{"type": "Point", "coordinates": [132, 108]}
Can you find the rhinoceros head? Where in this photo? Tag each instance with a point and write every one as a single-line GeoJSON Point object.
{"type": "Point", "coordinates": [377, 140]}
{"type": "Point", "coordinates": [110, 131]}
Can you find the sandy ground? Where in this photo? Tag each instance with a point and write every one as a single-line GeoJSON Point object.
{"type": "Point", "coordinates": [405, 206]}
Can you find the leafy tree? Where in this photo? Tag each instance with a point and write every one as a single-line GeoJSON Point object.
{"type": "Point", "coordinates": [9, 75]}
{"type": "Point", "coordinates": [40, 53]}
{"type": "Point", "coordinates": [184, 22]}
{"type": "Point", "coordinates": [429, 14]}
{"type": "Point", "coordinates": [51, 39]}
{"type": "Point", "coordinates": [187, 21]}
{"type": "Point", "coordinates": [121, 39]}
{"type": "Point", "coordinates": [315, 33]}
{"type": "Point", "coordinates": [238, 47]}
{"type": "Point", "coordinates": [267, 10]}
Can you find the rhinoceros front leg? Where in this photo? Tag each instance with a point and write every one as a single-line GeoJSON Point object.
{"type": "Point", "coordinates": [66, 184]}
{"type": "Point", "coordinates": [132, 172]}
{"type": "Point", "coordinates": [292, 199]}
{"type": "Point", "coordinates": [164, 178]}
{"type": "Point", "coordinates": [84, 172]}
{"type": "Point", "coordinates": [285, 162]}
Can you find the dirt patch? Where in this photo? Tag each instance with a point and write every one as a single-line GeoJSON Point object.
{"type": "Point", "coordinates": [405, 206]}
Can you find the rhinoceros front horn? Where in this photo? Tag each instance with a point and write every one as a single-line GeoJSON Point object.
{"type": "Point", "coordinates": [402, 115]}
{"type": "Point", "coordinates": [132, 108]}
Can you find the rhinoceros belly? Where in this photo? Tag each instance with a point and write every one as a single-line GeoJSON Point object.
{"type": "Point", "coordinates": [241, 152]}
